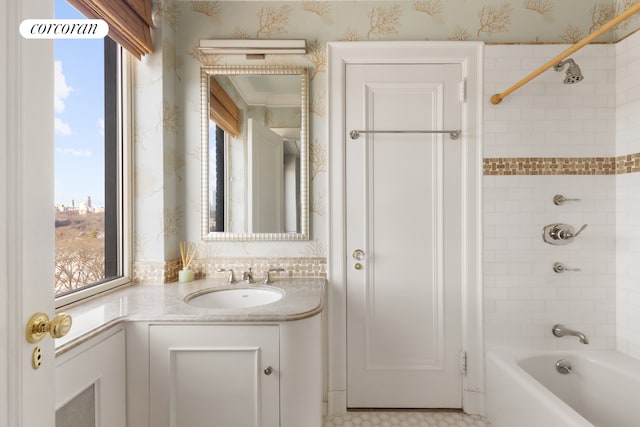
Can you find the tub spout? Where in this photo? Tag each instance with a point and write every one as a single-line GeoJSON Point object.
{"type": "Point", "coordinates": [561, 330]}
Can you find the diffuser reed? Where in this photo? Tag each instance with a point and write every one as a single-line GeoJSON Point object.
{"type": "Point", "coordinates": [187, 252]}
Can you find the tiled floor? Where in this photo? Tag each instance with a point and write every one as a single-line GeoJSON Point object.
{"type": "Point", "coordinates": [406, 419]}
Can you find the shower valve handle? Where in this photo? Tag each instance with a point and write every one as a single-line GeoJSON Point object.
{"type": "Point", "coordinates": [580, 230]}
{"type": "Point", "coordinates": [560, 234]}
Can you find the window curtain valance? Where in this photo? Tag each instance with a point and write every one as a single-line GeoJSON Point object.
{"type": "Point", "coordinates": [130, 21]}
{"type": "Point", "coordinates": [222, 110]}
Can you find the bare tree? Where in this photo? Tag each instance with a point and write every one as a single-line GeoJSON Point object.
{"type": "Point", "coordinates": [80, 253]}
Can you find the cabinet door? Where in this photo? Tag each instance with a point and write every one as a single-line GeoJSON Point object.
{"type": "Point", "coordinates": [90, 384]}
{"type": "Point", "coordinates": [203, 375]}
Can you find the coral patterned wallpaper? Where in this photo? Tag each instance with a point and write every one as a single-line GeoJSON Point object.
{"type": "Point", "coordinates": [167, 152]}
{"type": "Point", "coordinates": [493, 21]}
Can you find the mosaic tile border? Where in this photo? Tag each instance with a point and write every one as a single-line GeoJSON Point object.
{"type": "Point", "coordinates": [549, 166]}
{"type": "Point", "coordinates": [628, 164]}
{"type": "Point", "coordinates": [562, 165]}
{"type": "Point", "coordinates": [293, 267]}
{"type": "Point", "coordinates": [156, 272]}
{"type": "Point", "coordinates": [159, 272]}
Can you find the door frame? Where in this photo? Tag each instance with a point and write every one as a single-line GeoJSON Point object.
{"type": "Point", "coordinates": [26, 216]}
{"type": "Point", "coordinates": [469, 55]}
{"type": "Point", "coordinates": [5, 305]}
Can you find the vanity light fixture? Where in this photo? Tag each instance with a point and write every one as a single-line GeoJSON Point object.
{"type": "Point", "coordinates": [253, 49]}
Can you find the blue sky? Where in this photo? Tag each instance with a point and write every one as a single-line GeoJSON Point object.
{"type": "Point", "coordinates": [79, 116]}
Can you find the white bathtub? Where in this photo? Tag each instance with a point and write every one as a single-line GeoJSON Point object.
{"type": "Point", "coordinates": [525, 390]}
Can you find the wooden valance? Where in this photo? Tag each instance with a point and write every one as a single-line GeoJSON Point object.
{"type": "Point", "coordinates": [222, 110]}
{"type": "Point", "coordinates": [130, 21]}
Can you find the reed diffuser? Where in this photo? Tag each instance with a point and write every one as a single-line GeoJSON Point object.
{"type": "Point", "coordinates": [187, 252]}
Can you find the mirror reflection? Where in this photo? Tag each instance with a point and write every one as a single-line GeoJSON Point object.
{"type": "Point", "coordinates": [255, 153]}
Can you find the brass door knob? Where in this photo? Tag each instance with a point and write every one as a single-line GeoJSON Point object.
{"type": "Point", "coordinates": [39, 325]}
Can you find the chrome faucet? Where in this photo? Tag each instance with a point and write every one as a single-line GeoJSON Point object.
{"type": "Point", "coordinates": [561, 330]}
{"type": "Point", "coordinates": [230, 279]}
{"type": "Point", "coordinates": [247, 276]}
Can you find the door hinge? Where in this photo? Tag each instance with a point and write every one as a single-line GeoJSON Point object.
{"type": "Point", "coordinates": [463, 362]}
{"type": "Point", "coordinates": [463, 90]}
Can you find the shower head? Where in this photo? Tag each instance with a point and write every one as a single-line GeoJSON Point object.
{"type": "Point", "coordinates": [574, 75]}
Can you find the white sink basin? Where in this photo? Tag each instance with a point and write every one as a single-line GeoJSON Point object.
{"type": "Point", "coordinates": [234, 298]}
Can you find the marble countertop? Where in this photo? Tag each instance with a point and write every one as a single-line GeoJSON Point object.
{"type": "Point", "coordinates": [303, 297]}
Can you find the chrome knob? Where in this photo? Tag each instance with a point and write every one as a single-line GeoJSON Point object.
{"type": "Point", "coordinates": [559, 199]}
{"type": "Point", "coordinates": [559, 267]}
{"type": "Point", "coordinates": [268, 370]}
{"type": "Point", "coordinates": [564, 367]}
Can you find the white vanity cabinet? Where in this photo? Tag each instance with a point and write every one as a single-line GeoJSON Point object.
{"type": "Point", "coordinates": [219, 375]}
{"type": "Point", "coordinates": [148, 359]}
{"type": "Point", "coordinates": [235, 375]}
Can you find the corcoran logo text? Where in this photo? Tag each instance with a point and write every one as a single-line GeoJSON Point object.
{"type": "Point", "coordinates": [64, 28]}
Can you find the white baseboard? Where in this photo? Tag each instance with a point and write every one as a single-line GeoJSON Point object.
{"type": "Point", "coordinates": [336, 402]}
{"type": "Point", "coordinates": [473, 402]}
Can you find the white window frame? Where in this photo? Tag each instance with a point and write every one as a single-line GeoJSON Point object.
{"type": "Point", "coordinates": [125, 181]}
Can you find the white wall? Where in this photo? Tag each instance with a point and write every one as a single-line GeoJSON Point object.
{"type": "Point", "coordinates": [546, 118]}
{"type": "Point", "coordinates": [628, 197]}
{"type": "Point", "coordinates": [158, 165]}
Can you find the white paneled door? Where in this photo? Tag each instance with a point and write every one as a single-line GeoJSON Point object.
{"type": "Point", "coordinates": [266, 179]}
{"type": "Point", "coordinates": [404, 206]}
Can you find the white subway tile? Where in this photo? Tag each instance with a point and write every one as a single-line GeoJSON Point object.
{"type": "Point", "coordinates": [596, 118]}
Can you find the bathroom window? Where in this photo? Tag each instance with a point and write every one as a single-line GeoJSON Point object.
{"type": "Point", "coordinates": [216, 208]}
{"type": "Point", "coordinates": [90, 165]}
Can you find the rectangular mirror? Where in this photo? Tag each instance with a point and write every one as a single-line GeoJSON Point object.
{"type": "Point", "coordinates": [255, 153]}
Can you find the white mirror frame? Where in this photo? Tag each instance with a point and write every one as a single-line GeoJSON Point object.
{"type": "Point", "coordinates": [205, 74]}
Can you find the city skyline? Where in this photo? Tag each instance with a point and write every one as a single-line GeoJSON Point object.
{"type": "Point", "coordinates": [87, 201]}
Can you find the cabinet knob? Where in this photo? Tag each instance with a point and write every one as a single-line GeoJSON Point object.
{"type": "Point", "coordinates": [268, 370]}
